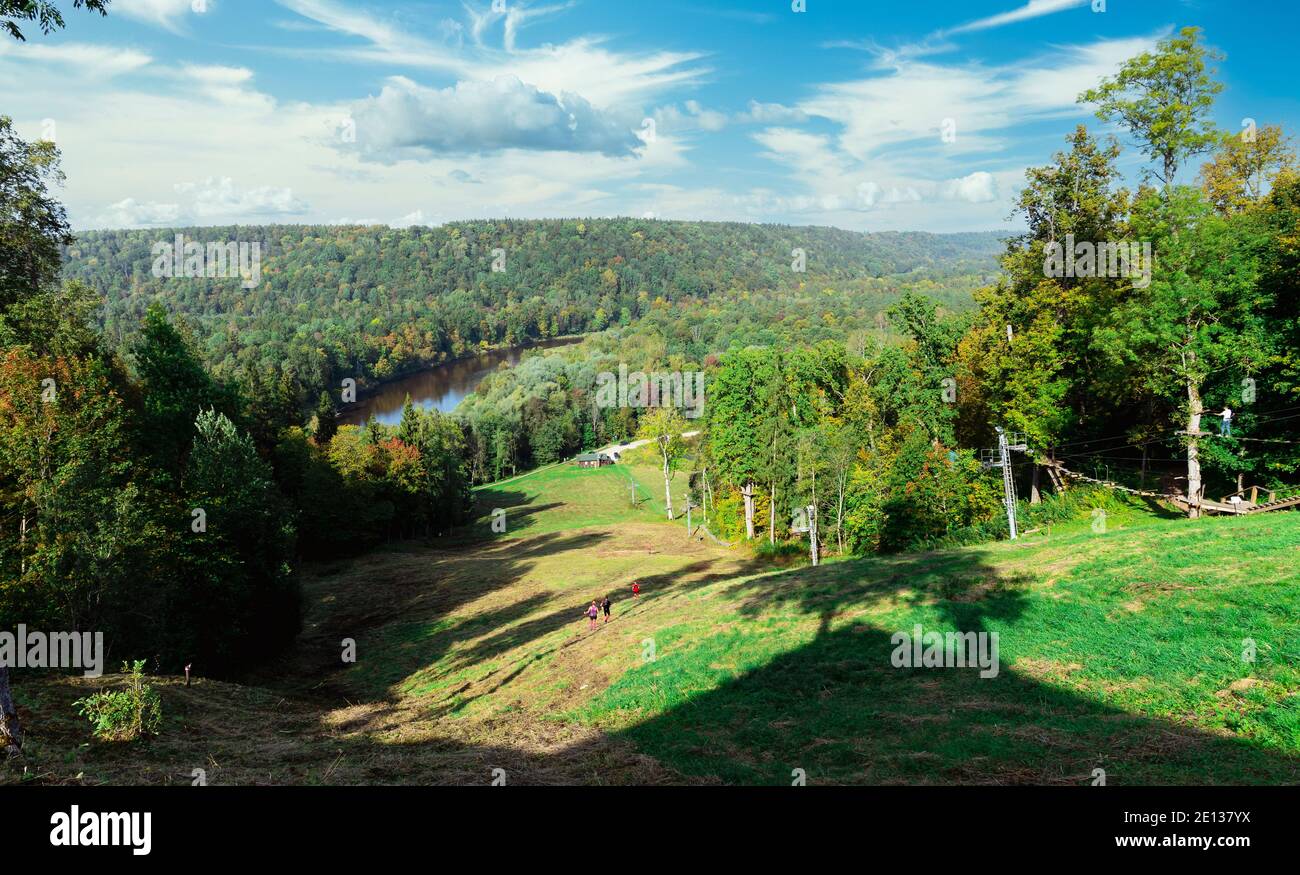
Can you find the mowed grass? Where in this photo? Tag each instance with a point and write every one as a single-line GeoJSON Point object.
{"type": "Point", "coordinates": [1120, 650]}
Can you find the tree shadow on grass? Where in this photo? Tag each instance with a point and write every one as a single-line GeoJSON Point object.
{"type": "Point", "coordinates": [839, 709]}
{"type": "Point", "coordinates": [512, 636]}
{"type": "Point", "coordinates": [409, 600]}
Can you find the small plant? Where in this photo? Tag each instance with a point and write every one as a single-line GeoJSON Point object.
{"type": "Point", "coordinates": [124, 715]}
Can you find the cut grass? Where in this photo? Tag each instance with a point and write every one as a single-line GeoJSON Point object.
{"type": "Point", "coordinates": [1120, 651]}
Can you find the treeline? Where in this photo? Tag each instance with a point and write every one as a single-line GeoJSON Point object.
{"type": "Point", "coordinates": [371, 303]}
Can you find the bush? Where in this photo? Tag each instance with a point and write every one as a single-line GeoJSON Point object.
{"type": "Point", "coordinates": [784, 553]}
{"type": "Point", "coordinates": [124, 715]}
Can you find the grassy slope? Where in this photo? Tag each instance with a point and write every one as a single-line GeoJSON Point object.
{"type": "Point", "coordinates": [1119, 650]}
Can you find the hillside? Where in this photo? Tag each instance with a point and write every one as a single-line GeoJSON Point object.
{"type": "Point", "coordinates": [375, 302]}
{"type": "Point", "coordinates": [1119, 650]}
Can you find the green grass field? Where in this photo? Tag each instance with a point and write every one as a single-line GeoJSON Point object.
{"type": "Point", "coordinates": [1120, 650]}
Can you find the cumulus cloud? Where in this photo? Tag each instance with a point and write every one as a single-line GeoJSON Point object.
{"type": "Point", "coordinates": [219, 197]}
{"type": "Point", "coordinates": [976, 188]}
{"type": "Point", "coordinates": [131, 213]}
{"type": "Point", "coordinates": [204, 202]}
{"type": "Point", "coordinates": [416, 217]}
{"type": "Point", "coordinates": [407, 120]}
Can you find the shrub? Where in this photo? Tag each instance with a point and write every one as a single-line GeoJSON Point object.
{"type": "Point", "coordinates": [783, 553]}
{"type": "Point", "coordinates": [124, 715]}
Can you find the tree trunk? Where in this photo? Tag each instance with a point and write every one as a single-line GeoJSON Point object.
{"type": "Point", "coordinates": [1033, 486]}
{"type": "Point", "coordinates": [812, 533]}
{"type": "Point", "coordinates": [1194, 411]}
{"type": "Point", "coordinates": [748, 494]}
{"type": "Point", "coordinates": [11, 733]}
{"type": "Point", "coordinates": [839, 514]}
{"type": "Point", "coordinates": [668, 492]}
{"type": "Point", "coordinates": [771, 515]}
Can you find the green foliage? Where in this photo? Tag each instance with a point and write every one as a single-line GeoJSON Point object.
{"type": "Point", "coordinates": [32, 224]}
{"type": "Point", "coordinates": [124, 715]}
{"type": "Point", "coordinates": [1164, 98]}
{"type": "Point", "coordinates": [375, 303]}
{"type": "Point", "coordinates": [175, 387]}
{"type": "Point", "coordinates": [43, 12]}
{"type": "Point", "coordinates": [100, 471]}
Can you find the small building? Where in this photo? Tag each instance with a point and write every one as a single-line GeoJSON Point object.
{"type": "Point", "coordinates": [592, 460]}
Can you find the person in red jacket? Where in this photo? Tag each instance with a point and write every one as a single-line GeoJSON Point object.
{"type": "Point", "coordinates": [636, 589]}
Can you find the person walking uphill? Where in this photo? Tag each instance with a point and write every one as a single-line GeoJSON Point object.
{"type": "Point", "coordinates": [592, 613]}
{"type": "Point", "coordinates": [605, 606]}
{"type": "Point", "coordinates": [636, 590]}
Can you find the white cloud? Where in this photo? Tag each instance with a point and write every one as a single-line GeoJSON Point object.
{"type": "Point", "coordinates": [80, 59]}
{"type": "Point", "coordinates": [904, 107]}
{"type": "Point", "coordinates": [232, 87]}
{"type": "Point", "coordinates": [1032, 9]}
{"type": "Point", "coordinates": [170, 15]}
{"type": "Point", "coordinates": [130, 213]}
{"type": "Point", "coordinates": [218, 197]}
{"type": "Point", "coordinates": [976, 188]}
{"type": "Point", "coordinates": [582, 65]}
{"type": "Point", "coordinates": [416, 217]}
{"type": "Point", "coordinates": [772, 114]}
{"type": "Point", "coordinates": [408, 120]}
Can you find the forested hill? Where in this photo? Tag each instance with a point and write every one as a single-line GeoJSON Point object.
{"type": "Point", "coordinates": [374, 301]}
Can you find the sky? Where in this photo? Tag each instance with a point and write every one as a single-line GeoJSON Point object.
{"type": "Point", "coordinates": [861, 114]}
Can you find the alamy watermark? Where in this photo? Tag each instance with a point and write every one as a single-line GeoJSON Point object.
{"type": "Point", "coordinates": [681, 389]}
{"type": "Point", "coordinates": [193, 259]}
{"type": "Point", "coordinates": [24, 649]}
{"type": "Point", "coordinates": [1107, 258]}
{"type": "Point", "coordinates": [921, 649]}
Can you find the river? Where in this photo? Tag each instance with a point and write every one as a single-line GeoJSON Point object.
{"type": "Point", "coordinates": [441, 387]}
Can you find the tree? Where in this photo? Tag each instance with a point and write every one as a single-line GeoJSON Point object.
{"type": "Point", "coordinates": [734, 421]}
{"type": "Point", "coordinates": [664, 426]}
{"type": "Point", "coordinates": [1200, 315]}
{"type": "Point", "coordinates": [32, 224]}
{"type": "Point", "coordinates": [175, 386]}
{"type": "Point", "coordinates": [241, 601]}
{"type": "Point", "coordinates": [1245, 168]}
{"type": "Point", "coordinates": [11, 731]}
{"type": "Point", "coordinates": [841, 445]}
{"type": "Point", "coordinates": [1042, 378]}
{"type": "Point", "coordinates": [43, 12]}
{"type": "Point", "coordinates": [1164, 100]}
{"type": "Point", "coordinates": [326, 418]}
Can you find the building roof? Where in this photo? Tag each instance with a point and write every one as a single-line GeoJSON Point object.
{"type": "Point", "coordinates": [590, 457]}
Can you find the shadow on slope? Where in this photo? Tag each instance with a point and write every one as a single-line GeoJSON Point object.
{"type": "Point", "coordinates": [837, 708]}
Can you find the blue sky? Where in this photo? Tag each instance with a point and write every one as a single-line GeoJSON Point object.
{"type": "Point", "coordinates": [225, 111]}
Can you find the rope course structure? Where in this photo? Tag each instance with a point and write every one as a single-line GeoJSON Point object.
{"type": "Point", "coordinates": [1277, 499]}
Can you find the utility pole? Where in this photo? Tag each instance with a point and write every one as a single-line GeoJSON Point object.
{"type": "Point", "coordinates": [1006, 444]}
